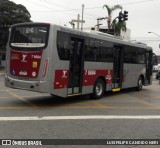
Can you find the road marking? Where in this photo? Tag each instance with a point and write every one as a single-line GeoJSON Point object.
{"type": "Point", "coordinates": [76, 107]}
{"type": "Point", "coordinates": [147, 103]}
{"type": "Point", "coordinates": [98, 104]}
{"type": "Point", "coordinates": [20, 98]}
{"type": "Point", "coordinates": [14, 108]}
{"type": "Point", "coordinates": [36, 96]}
{"type": "Point", "coordinates": [101, 117]}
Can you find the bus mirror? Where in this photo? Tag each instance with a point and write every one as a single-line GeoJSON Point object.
{"type": "Point", "coordinates": [154, 59]}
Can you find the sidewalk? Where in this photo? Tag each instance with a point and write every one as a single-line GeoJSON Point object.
{"type": "Point", "coordinates": [2, 71]}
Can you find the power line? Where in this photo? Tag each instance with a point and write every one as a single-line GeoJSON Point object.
{"type": "Point", "coordinates": [90, 17]}
{"type": "Point", "coordinates": [66, 8]}
{"type": "Point", "coordinates": [137, 2]}
{"type": "Point", "coordinates": [55, 4]}
{"type": "Point", "coordinates": [47, 7]}
{"type": "Point", "coordinates": [141, 38]}
{"type": "Point", "coordinates": [125, 3]}
{"type": "Point", "coordinates": [52, 10]}
{"type": "Point", "coordinates": [69, 9]}
{"type": "Point", "coordinates": [89, 14]}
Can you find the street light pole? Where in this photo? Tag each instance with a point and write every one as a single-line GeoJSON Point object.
{"type": "Point", "coordinates": [155, 34]}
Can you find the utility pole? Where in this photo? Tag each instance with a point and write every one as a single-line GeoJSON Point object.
{"type": "Point", "coordinates": [82, 16]}
{"type": "Point", "coordinates": [98, 21]}
{"type": "Point", "coordinates": [78, 21]}
{"type": "Point", "coordinates": [73, 25]}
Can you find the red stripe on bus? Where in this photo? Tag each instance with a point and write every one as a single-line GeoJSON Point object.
{"type": "Point", "coordinates": [89, 77]}
{"type": "Point", "coordinates": [45, 68]}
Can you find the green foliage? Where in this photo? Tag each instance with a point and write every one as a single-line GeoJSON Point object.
{"type": "Point", "coordinates": [111, 9]}
{"type": "Point", "coordinates": [108, 9]}
{"type": "Point", "coordinates": [10, 13]}
{"type": "Point", "coordinates": [117, 26]}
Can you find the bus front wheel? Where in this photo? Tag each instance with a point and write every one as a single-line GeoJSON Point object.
{"type": "Point", "coordinates": [98, 89]}
{"type": "Point", "coordinates": [140, 84]}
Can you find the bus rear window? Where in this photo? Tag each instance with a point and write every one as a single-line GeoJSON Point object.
{"type": "Point", "coordinates": [31, 36]}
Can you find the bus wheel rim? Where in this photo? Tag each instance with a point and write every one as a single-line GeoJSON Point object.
{"type": "Point", "coordinates": [99, 89]}
{"type": "Point", "coordinates": [140, 83]}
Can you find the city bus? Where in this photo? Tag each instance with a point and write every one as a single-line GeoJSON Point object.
{"type": "Point", "coordinates": [66, 62]}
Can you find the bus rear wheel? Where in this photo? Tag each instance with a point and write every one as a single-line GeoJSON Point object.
{"type": "Point", "coordinates": [140, 84]}
{"type": "Point", "coordinates": [98, 89]}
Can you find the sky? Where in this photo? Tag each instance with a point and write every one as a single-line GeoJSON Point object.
{"type": "Point", "coordinates": [143, 15]}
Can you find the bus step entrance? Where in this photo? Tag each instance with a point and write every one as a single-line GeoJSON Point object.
{"type": "Point", "coordinates": [116, 89]}
{"type": "Point", "coordinates": [71, 95]}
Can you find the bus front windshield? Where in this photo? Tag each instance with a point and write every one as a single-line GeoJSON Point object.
{"type": "Point", "coordinates": [30, 36]}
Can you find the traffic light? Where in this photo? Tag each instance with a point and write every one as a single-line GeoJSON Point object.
{"type": "Point", "coordinates": [120, 16]}
{"type": "Point", "coordinates": [125, 16]}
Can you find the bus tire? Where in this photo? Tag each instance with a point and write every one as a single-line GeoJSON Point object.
{"type": "Point", "coordinates": [98, 89]}
{"type": "Point", "coordinates": [139, 84]}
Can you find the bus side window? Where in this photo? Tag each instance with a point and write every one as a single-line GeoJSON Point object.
{"type": "Point", "coordinates": [91, 51]}
{"type": "Point", "coordinates": [141, 56]}
{"type": "Point", "coordinates": [63, 46]}
{"type": "Point", "coordinates": [154, 59]}
{"type": "Point", "coordinates": [71, 50]}
{"type": "Point", "coordinates": [105, 54]}
{"type": "Point", "coordinates": [130, 55]}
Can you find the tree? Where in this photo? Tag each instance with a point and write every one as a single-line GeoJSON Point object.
{"type": "Point", "coordinates": [10, 13]}
{"type": "Point", "coordinates": [110, 10]}
{"type": "Point", "coordinates": [115, 25]}
{"type": "Point", "coordinates": [119, 26]}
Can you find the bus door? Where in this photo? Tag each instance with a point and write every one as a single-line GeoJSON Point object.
{"type": "Point", "coordinates": [148, 67]}
{"type": "Point", "coordinates": [118, 56]}
{"type": "Point", "coordinates": [76, 66]}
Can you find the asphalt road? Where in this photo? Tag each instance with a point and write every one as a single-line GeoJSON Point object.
{"type": "Point", "coordinates": [120, 115]}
